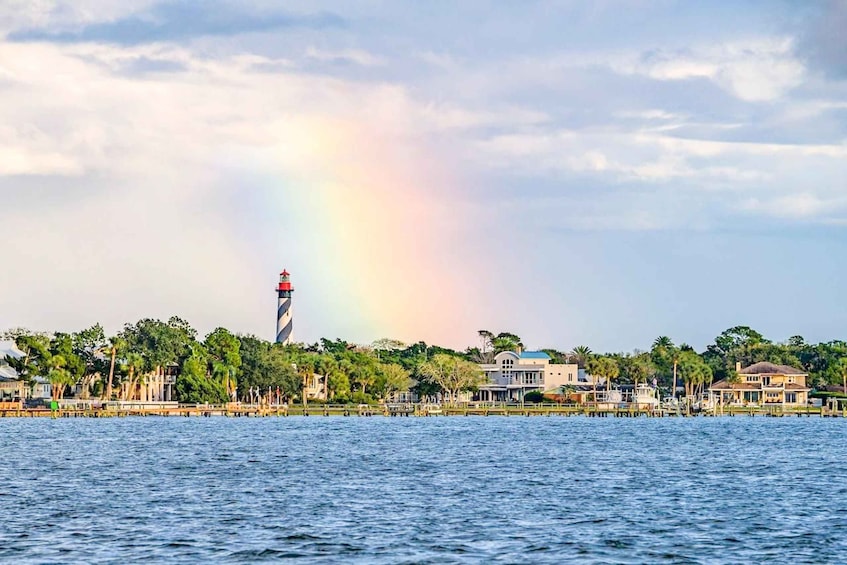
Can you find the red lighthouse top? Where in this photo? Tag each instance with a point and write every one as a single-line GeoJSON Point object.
{"type": "Point", "coordinates": [284, 282]}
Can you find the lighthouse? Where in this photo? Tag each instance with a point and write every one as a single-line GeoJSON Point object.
{"type": "Point", "coordinates": [284, 322]}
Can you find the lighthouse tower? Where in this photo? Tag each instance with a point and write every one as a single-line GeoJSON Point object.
{"type": "Point", "coordinates": [284, 322]}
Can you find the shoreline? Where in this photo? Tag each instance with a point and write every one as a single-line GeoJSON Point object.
{"type": "Point", "coordinates": [414, 410]}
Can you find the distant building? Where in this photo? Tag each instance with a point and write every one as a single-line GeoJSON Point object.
{"type": "Point", "coordinates": [12, 388]}
{"type": "Point", "coordinates": [512, 375]}
{"type": "Point", "coordinates": [766, 384]}
{"type": "Point", "coordinates": [316, 387]}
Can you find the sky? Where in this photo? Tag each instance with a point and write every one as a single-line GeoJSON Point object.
{"type": "Point", "coordinates": [579, 173]}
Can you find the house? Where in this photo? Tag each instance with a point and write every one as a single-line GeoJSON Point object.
{"type": "Point", "coordinates": [12, 388]}
{"type": "Point", "coordinates": [513, 374]}
{"type": "Point", "coordinates": [764, 383]}
{"type": "Point", "coordinates": [315, 386]}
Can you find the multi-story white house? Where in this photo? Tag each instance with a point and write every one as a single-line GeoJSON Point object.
{"type": "Point", "coordinates": [512, 375]}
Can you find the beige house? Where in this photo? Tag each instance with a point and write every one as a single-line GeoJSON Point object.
{"type": "Point", "coordinates": [764, 384]}
{"type": "Point", "coordinates": [315, 386]}
{"type": "Point", "coordinates": [512, 375]}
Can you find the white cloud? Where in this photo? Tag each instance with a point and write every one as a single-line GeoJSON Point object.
{"type": "Point", "coordinates": [796, 206]}
{"type": "Point", "coordinates": [754, 71]}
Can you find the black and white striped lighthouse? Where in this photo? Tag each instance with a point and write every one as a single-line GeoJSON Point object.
{"type": "Point", "coordinates": [284, 321]}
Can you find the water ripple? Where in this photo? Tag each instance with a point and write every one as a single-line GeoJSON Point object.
{"type": "Point", "coordinates": [429, 490]}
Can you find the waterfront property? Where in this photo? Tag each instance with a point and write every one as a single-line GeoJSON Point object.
{"type": "Point", "coordinates": [12, 388]}
{"type": "Point", "coordinates": [155, 387]}
{"type": "Point", "coordinates": [512, 375]}
{"type": "Point", "coordinates": [764, 384]}
{"type": "Point", "coordinates": [316, 387]}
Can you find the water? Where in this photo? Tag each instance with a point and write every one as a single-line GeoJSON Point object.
{"type": "Point", "coordinates": [416, 490]}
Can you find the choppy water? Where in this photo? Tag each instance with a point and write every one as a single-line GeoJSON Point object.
{"type": "Point", "coordinates": [436, 490]}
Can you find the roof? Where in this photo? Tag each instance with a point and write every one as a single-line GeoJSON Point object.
{"type": "Point", "coordinates": [8, 374]}
{"type": "Point", "coordinates": [765, 368]}
{"type": "Point", "coordinates": [724, 385]}
{"type": "Point", "coordinates": [285, 273]}
{"type": "Point", "coordinates": [9, 348]}
{"type": "Point", "coordinates": [534, 355]}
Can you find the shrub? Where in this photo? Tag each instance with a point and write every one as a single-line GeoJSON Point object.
{"type": "Point", "coordinates": [359, 398]}
{"type": "Point", "coordinates": [533, 396]}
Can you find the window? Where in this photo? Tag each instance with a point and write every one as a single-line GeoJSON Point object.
{"type": "Point", "coordinates": [752, 378]}
{"type": "Point", "coordinates": [791, 397]}
{"type": "Point", "coordinates": [791, 380]}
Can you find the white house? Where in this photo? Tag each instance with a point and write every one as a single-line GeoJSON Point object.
{"type": "Point", "coordinates": [11, 387]}
{"type": "Point", "coordinates": [512, 375]}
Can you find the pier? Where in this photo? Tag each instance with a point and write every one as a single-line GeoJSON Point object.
{"type": "Point", "coordinates": [240, 410]}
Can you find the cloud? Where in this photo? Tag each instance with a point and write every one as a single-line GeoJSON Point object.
{"type": "Point", "coordinates": [754, 71]}
{"type": "Point", "coordinates": [179, 20]}
{"type": "Point", "coordinates": [797, 206]}
{"type": "Point", "coordinates": [823, 41]}
{"type": "Point", "coordinates": [345, 56]}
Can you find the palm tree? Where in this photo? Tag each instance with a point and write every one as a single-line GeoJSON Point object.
{"type": "Point", "coordinates": [58, 376]}
{"type": "Point", "coordinates": [134, 363]}
{"type": "Point", "coordinates": [581, 354]}
{"type": "Point", "coordinates": [665, 350]}
{"type": "Point", "coordinates": [115, 344]}
{"type": "Point", "coordinates": [603, 367]}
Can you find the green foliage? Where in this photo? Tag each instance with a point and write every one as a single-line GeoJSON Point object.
{"type": "Point", "coordinates": [581, 355]}
{"type": "Point", "coordinates": [231, 363]}
{"type": "Point", "coordinates": [194, 386]}
{"type": "Point", "coordinates": [452, 374]}
{"type": "Point", "coordinates": [603, 367]}
{"type": "Point", "coordinates": [534, 396]}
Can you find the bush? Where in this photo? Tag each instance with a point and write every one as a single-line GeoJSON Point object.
{"type": "Point", "coordinates": [198, 389]}
{"type": "Point", "coordinates": [533, 396]}
{"type": "Point", "coordinates": [826, 394]}
{"type": "Point", "coordinates": [359, 398]}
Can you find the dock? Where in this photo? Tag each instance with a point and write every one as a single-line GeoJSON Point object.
{"type": "Point", "coordinates": [240, 410]}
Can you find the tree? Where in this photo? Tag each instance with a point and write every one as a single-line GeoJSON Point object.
{"type": "Point", "coordinates": [605, 368]}
{"type": "Point", "coordinates": [134, 366]}
{"type": "Point", "coordinates": [484, 352]}
{"type": "Point", "coordinates": [665, 356]}
{"type": "Point", "coordinates": [116, 344]}
{"type": "Point", "coordinates": [396, 378]}
{"type": "Point", "coordinates": [738, 343]}
{"type": "Point", "coordinates": [695, 373]}
{"type": "Point", "coordinates": [36, 348]}
{"type": "Point", "coordinates": [580, 355]}
{"type": "Point", "coordinates": [387, 346]}
{"type": "Point", "coordinates": [641, 368]}
{"type": "Point", "coordinates": [452, 374]}
{"type": "Point", "coordinates": [224, 351]}
{"type": "Point", "coordinates": [506, 341]}
{"type": "Point", "coordinates": [89, 345]}
{"type": "Point", "coordinates": [193, 385]}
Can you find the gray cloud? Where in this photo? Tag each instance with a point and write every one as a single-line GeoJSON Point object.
{"type": "Point", "coordinates": [824, 41]}
{"type": "Point", "coordinates": [180, 20]}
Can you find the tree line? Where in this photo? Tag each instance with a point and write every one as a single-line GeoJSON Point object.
{"type": "Point", "coordinates": [223, 365]}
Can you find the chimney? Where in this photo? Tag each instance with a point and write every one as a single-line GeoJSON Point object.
{"type": "Point", "coordinates": [738, 366]}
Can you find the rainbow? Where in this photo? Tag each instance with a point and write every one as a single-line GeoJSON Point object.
{"type": "Point", "coordinates": [376, 231]}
